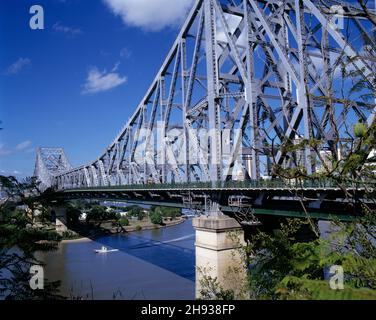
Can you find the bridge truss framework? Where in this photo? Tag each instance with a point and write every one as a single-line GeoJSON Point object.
{"type": "Point", "coordinates": [242, 78]}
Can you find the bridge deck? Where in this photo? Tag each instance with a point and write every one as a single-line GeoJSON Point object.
{"type": "Point", "coordinates": [321, 200]}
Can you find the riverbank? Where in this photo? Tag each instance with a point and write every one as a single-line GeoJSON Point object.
{"type": "Point", "coordinates": [128, 229]}
{"type": "Point", "coordinates": [150, 226]}
{"type": "Point", "coordinates": [80, 240]}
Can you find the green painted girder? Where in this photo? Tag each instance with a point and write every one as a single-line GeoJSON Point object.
{"type": "Point", "coordinates": [261, 212]}
{"type": "Point", "coordinates": [298, 214]}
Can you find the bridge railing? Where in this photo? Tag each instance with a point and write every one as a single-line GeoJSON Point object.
{"type": "Point", "coordinates": [249, 184]}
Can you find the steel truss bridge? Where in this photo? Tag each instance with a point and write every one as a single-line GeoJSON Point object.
{"type": "Point", "coordinates": [242, 78]}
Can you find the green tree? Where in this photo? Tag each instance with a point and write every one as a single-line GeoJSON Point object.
{"type": "Point", "coordinates": [80, 204]}
{"type": "Point", "coordinates": [283, 267]}
{"type": "Point", "coordinates": [100, 214]}
{"type": "Point", "coordinates": [136, 211]}
{"type": "Point", "coordinates": [167, 212]}
{"type": "Point", "coordinates": [73, 215]}
{"type": "Point", "coordinates": [23, 233]}
{"type": "Point", "coordinates": [124, 222]}
{"type": "Point", "coordinates": [156, 216]}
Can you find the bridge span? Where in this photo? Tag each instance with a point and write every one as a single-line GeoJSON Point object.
{"type": "Point", "coordinates": [247, 87]}
{"type": "Point", "coordinates": [244, 200]}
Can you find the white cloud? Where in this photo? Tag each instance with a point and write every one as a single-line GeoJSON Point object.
{"type": "Point", "coordinates": [150, 15]}
{"type": "Point", "coordinates": [4, 151]}
{"type": "Point", "coordinates": [23, 145]}
{"type": "Point", "coordinates": [17, 66]}
{"type": "Point", "coordinates": [72, 32]}
{"type": "Point", "coordinates": [125, 53]}
{"type": "Point", "coordinates": [11, 173]}
{"type": "Point", "coordinates": [100, 81]}
{"type": "Point", "coordinates": [232, 22]}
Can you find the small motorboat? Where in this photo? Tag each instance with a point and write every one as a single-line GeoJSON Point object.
{"type": "Point", "coordinates": [105, 250]}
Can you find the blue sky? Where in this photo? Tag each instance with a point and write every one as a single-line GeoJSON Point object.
{"type": "Point", "coordinates": [75, 83]}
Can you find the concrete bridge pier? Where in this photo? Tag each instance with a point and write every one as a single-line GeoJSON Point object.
{"type": "Point", "coordinates": [218, 239]}
{"type": "Point", "coordinates": [60, 217]}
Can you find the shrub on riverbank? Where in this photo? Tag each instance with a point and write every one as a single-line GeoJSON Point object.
{"type": "Point", "coordinates": [156, 217]}
{"type": "Point", "coordinates": [124, 222]}
{"type": "Point", "coordinates": [70, 235]}
{"type": "Point", "coordinates": [166, 212]}
{"type": "Point", "coordinates": [136, 211]}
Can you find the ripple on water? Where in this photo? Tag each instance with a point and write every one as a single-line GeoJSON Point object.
{"type": "Point", "coordinates": [152, 264]}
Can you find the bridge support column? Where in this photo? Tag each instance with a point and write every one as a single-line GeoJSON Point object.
{"type": "Point", "coordinates": [217, 254]}
{"type": "Point", "coordinates": [60, 215]}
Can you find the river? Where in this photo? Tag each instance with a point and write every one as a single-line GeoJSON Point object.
{"type": "Point", "coordinates": [153, 264]}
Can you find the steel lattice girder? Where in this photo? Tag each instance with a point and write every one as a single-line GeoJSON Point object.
{"type": "Point", "coordinates": [50, 163]}
{"type": "Point", "coordinates": [253, 74]}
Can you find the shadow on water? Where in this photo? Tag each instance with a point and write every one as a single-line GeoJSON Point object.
{"type": "Point", "coordinates": [169, 248]}
{"type": "Point", "coordinates": [150, 264]}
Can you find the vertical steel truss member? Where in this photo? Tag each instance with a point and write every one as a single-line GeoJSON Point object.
{"type": "Point", "coordinates": [269, 69]}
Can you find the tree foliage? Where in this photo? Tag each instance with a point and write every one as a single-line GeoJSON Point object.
{"type": "Point", "coordinates": [124, 222]}
{"type": "Point", "coordinates": [136, 211]}
{"type": "Point", "coordinates": [99, 214]}
{"type": "Point", "coordinates": [156, 216]}
{"type": "Point", "coordinates": [166, 212]}
{"type": "Point", "coordinates": [283, 268]}
{"type": "Point", "coordinates": [23, 233]}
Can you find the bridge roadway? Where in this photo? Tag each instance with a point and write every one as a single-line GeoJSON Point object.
{"type": "Point", "coordinates": [320, 200]}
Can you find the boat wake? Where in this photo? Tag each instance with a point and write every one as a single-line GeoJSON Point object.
{"type": "Point", "coordinates": [176, 240]}
{"type": "Point", "coordinates": [158, 243]}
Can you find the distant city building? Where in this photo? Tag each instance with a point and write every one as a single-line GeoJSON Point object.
{"type": "Point", "coordinates": [240, 176]}
{"type": "Point", "coordinates": [327, 160]}
{"type": "Point", "coordinates": [372, 163]}
{"type": "Point", "coordinates": [299, 154]}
